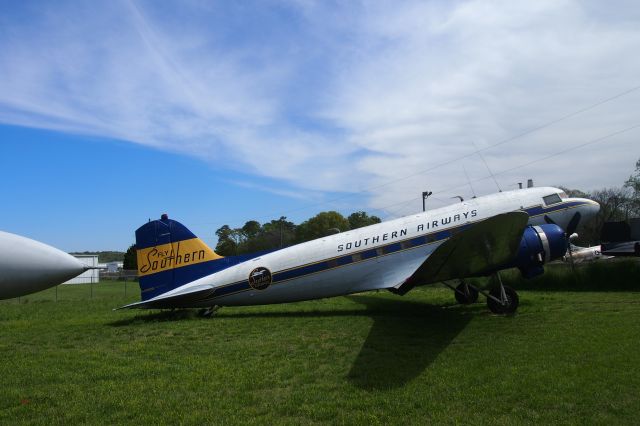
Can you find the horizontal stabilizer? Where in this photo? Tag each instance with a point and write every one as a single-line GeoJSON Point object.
{"type": "Point", "coordinates": [478, 250]}
{"type": "Point", "coordinates": [182, 299]}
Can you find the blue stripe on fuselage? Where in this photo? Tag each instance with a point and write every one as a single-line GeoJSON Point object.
{"type": "Point", "coordinates": [540, 210]}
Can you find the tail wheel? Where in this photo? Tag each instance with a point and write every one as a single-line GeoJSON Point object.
{"type": "Point", "coordinates": [501, 306]}
{"type": "Point", "coordinates": [466, 294]}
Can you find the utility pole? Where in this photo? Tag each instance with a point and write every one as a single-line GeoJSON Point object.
{"type": "Point", "coordinates": [425, 195]}
{"type": "Point", "coordinates": [282, 219]}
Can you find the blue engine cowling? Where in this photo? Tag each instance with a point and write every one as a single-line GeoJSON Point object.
{"type": "Point", "coordinates": [539, 245]}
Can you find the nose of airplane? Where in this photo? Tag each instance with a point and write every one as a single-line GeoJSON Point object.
{"type": "Point", "coordinates": [55, 265]}
{"type": "Point", "coordinates": [28, 266]}
{"type": "Point", "coordinates": [589, 210]}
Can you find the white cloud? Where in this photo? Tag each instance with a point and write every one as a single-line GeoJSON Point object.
{"type": "Point", "coordinates": [481, 72]}
{"type": "Point", "coordinates": [337, 97]}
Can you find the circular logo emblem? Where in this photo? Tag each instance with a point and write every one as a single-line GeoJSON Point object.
{"type": "Point", "coordinates": [260, 278]}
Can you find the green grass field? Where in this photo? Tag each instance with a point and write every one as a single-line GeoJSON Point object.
{"type": "Point", "coordinates": [567, 356]}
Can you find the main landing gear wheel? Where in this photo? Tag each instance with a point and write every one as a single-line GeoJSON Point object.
{"type": "Point", "coordinates": [503, 303]}
{"type": "Point", "coordinates": [466, 294]}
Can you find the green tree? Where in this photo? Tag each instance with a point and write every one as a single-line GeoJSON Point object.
{"type": "Point", "coordinates": [253, 237]}
{"type": "Point", "coordinates": [278, 233]}
{"type": "Point", "coordinates": [227, 245]}
{"type": "Point", "coordinates": [105, 256]}
{"type": "Point", "coordinates": [130, 261]}
{"type": "Point", "coordinates": [321, 225]}
{"type": "Point", "coordinates": [614, 204]}
{"type": "Point", "coordinates": [251, 229]}
{"type": "Point", "coordinates": [361, 219]}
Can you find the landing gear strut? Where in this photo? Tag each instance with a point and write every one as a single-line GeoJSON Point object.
{"type": "Point", "coordinates": [502, 299]}
{"type": "Point", "coordinates": [466, 294]}
{"type": "Point", "coordinates": [208, 312]}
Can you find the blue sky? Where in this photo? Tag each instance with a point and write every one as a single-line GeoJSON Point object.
{"type": "Point", "coordinates": [90, 193]}
{"type": "Point", "coordinates": [221, 112]}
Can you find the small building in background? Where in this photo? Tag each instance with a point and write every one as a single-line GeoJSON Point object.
{"type": "Point", "coordinates": [89, 276]}
{"type": "Point", "coordinates": [114, 266]}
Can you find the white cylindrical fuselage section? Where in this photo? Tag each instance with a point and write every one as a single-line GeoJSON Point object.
{"type": "Point", "coordinates": [28, 266]}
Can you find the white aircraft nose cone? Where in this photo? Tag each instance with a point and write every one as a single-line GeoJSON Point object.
{"type": "Point", "coordinates": [588, 210]}
{"type": "Point", "coordinates": [27, 266]}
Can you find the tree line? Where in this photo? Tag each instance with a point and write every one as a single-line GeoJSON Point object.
{"type": "Point", "coordinates": [103, 256]}
{"type": "Point", "coordinates": [618, 203]}
{"type": "Point", "coordinates": [255, 237]}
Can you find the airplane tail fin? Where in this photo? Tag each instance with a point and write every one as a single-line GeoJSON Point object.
{"type": "Point", "coordinates": [169, 256]}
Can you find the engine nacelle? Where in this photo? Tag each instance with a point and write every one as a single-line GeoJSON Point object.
{"type": "Point", "coordinates": [539, 245]}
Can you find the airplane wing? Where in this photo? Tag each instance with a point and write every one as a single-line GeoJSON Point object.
{"type": "Point", "coordinates": [475, 251]}
{"type": "Point", "coordinates": [174, 300]}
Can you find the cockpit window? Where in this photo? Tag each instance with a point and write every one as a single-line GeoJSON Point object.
{"type": "Point", "coordinates": [552, 199]}
{"type": "Point", "coordinates": [563, 195]}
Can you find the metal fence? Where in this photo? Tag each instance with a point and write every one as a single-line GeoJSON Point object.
{"type": "Point", "coordinates": [122, 275]}
{"type": "Point", "coordinates": [116, 285]}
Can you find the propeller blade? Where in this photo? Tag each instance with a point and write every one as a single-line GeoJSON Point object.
{"type": "Point", "coordinates": [573, 223]}
{"type": "Point", "coordinates": [571, 226]}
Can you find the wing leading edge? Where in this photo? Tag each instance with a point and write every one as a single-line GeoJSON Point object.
{"type": "Point", "coordinates": [478, 250]}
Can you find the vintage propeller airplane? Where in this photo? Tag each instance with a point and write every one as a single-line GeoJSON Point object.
{"type": "Point", "coordinates": [579, 254]}
{"type": "Point", "coordinates": [525, 229]}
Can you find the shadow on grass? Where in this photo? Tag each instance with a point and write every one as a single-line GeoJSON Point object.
{"type": "Point", "coordinates": [405, 338]}
{"type": "Point", "coordinates": [155, 316]}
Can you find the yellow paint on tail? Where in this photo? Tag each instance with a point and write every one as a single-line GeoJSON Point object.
{"type": "Point", "coordinates": [152, 260]}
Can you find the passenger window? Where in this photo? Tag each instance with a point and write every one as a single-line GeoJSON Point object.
{"type": "Point", "coordinates": [551, 199]}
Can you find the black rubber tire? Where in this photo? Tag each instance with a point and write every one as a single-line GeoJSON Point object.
{"type": "Point", "coordinates": [512, 301]}
{"type": "Point", "coordinates": [468, 297]}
